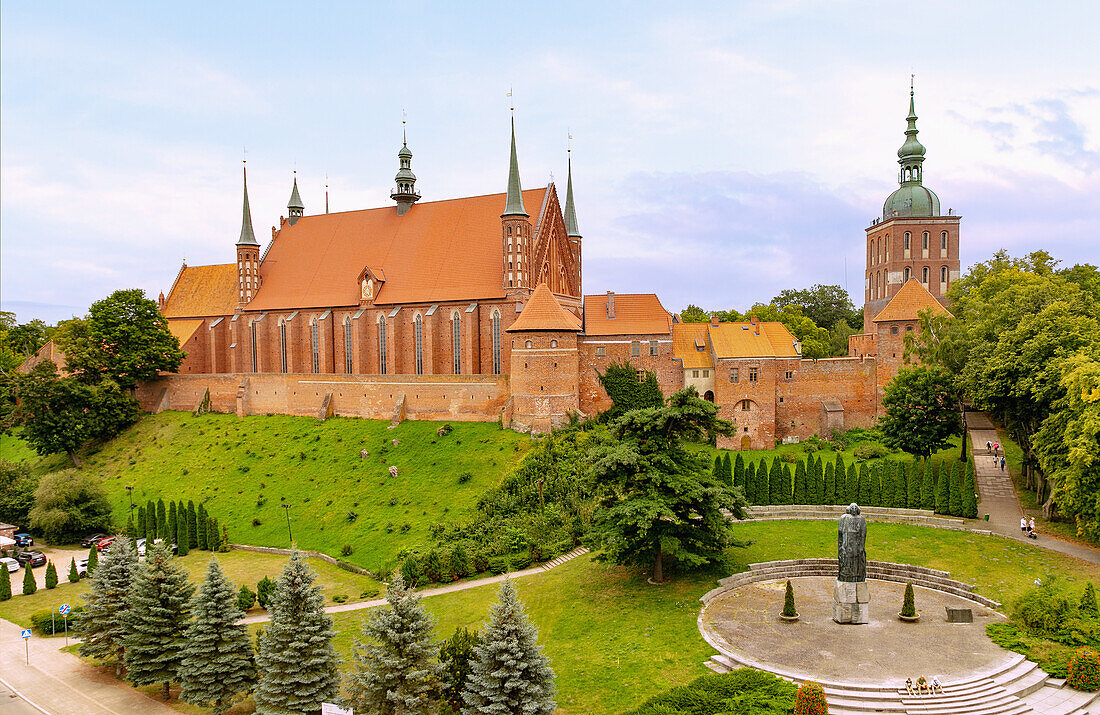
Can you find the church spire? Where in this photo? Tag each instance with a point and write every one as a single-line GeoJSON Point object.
{"type": "Point", "coordinates": [570, 212]}
{"type": "Point", "coordinates": [248, 236]}
{"type": "Point", "coordinates": [405, 194]}
{"type": "Point", "coordinates": [911, 153]}
{"type": "Point", "coordinates": [294, 207]}
{"type": "Point", "coordinates": [514, 204]}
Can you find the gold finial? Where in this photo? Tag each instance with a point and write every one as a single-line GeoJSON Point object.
{"type": "Point", "coordinates": [512, 107]}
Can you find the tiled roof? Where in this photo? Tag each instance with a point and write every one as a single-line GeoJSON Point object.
{"type": "Point", "coordinates": [438, 251]}
{"type": "Point", "coordinates": [543, 312]}
{"type": "Point", "coordinates": [686, 340]}
{"type": "Point", "coordinates": [908, 302]}
{"type": "Point", "coordinates": [203, 291]}
{"type": "Point", "coordinates": [183, 329]}
{"type": "Point", "coordinates": [732, 340]}
{"type": "Point", "coordinates": [635, 314]}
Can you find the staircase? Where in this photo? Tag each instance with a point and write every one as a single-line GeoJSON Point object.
{"type": "Point", "coordinates": [1017, 687]}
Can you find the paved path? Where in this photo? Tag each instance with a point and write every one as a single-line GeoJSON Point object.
{"type": "Point", "coordinates": [998, 498]}
{"type": "Point", "coordinates": [450, 588]}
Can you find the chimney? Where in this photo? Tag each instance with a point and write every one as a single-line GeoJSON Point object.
{"type": "Point", "coordinates": [610, 305]}
{"type": "Point", "coordinates": [714, 320]}
{"type": "Point", "coordinates": [755, 322]}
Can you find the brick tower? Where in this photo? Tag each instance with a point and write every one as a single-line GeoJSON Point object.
{"type": "Point", "coordinates": [913, 239]}
{"type": "Point", "coordinates": [515, 232]}
{"type": "Point", "coordinates": [248, 254]}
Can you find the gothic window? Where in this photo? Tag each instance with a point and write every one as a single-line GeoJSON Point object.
{"type": "Point", "coordinates": [496, 342]}
{"type": "Point", "coordinates": [382, 345]}
{"type": "Point", "coordinates": [282, 344]}
{"type": "Point", "coordinates": [943, 274]}
{"type": "Point", "coordinates": [456, 342]}
{"type": "Point", "coordinates": [255, 360]}
{"type": "Point", "coordinates": [907, 274]}
{"type": "Point", "coordinates": [752, 374]}
{"type": "Point", "coordinates": [789, 375]}
{"type": "Point", "coordinates": [924, 241]}
{"type": "Point", "coordinates": [943, 243]}
{"type": "Point", "coordinates": [347, 345]}
{"type": "Point", "coordinates": [924, 275]}
{"type": "Point", "coordinates": [908, 240]}
{"type": "Point", "coordinates": [418, 329]}
{"type": "Point", "coordinates": [315, 341]}
{"type": "Point", "coordinates": [652, 347]}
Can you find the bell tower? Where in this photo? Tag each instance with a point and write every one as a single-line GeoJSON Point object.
{"type": "Point", "coordinates": [405, 194]}
{"type": "Point", "coordinates": [515, 232]}
{"type": "Point", "coordinates": [295, 209]}
{"type": "Point", "coordinates": [248, 254]}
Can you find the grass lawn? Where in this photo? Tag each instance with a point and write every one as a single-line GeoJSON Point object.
{"type": "Point", "coordinates": [241, 567]}
{"type": "Point", "coordinates": [244, 468]}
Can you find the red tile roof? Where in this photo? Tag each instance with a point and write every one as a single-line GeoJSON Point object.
{"type": "Point", "coordinates": [908, 302]}
{"type": "Point", "coordinates": [438, 251]}
{"type": "Point", "coordinates": [543, 312]}
{"type": "Point", "coordinates": [635, 314]}
{"type": "Point", "coordinates": [732, 340]}
{"type": "Point", "coordinates": [202, 291]}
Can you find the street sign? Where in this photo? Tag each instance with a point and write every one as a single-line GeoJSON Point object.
{"type": "Point", "coordinates": [64, 609]}
{"type": "Point", "coordinates": [330, 709]}
{"type": "Point", "coordinates": [25, 634]}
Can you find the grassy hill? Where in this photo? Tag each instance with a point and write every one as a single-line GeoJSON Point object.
{"type": "Point", "coordinates": [243, 469]}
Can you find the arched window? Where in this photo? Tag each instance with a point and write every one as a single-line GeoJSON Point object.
{"type": "Point", "coordinates": [496, 342]}
{"type": "Point", "coordinates": [908, 241]}
{"type": "Point", "coordinates": [282, 344]}
{"type": "Point", "coordinates": [924, 275]}
{"type": "Point", "coordinates": [553, 343]}
{"type": "Point", "coordinates": [907, 274]}
{"type": "Point", "coordinates": [255, 360]}
{"type": "Point", "coordinates": [315, 341]}
{"type": "Point", "coordinates": [456, 341]}
{"type": "Point", "coordinates": [924, 241]}
{"type": "Point", "coordinates": [745, 405]}
{"type": "Point", "coordinates": [347, 345]}
{"type": "Point", "coordinates": [943, 243]}
{"type": "Point", "coordinates": [943, 274]}
{"type": "Point", "coordinates": [527, 344]}
{"type": "Point", "coordinates": [418, 330]}
{"type": "Point", "coordinates": [382, 344]}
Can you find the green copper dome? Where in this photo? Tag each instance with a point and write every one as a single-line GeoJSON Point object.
{"type": "Point", "coordinates": [911, 200]}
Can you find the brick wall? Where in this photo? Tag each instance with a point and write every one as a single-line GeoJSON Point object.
{"type": "Point", "coordinates": [617, 349]}
{"type": "Point", "coordinates": [851, 381]}
{"type": "Point", "coordinates": [543, 380]}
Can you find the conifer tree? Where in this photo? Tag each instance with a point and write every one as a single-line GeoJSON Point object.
{"type": "Point", "coordinates": [799, 495]}
{"type": "Point", "coordinates": [851, 484]}
{"type": "Point", "coordinates": [5, 584]}
{"type": "Point", "coordinates": [727, 469]}
{"type": "Point", "coordinates": [156, 619]}
{"type": "Point", "coordinates": [954, 493]}
{"type": "Point", "coordinates": [775, 483]}
{"type": "Point", "coordinates": [150, 533]}
{"type": "Point", "coordinates": [202, 523]}
{"type": "Point", "coordinates": [162, 521]}
{"type": "Point", "coordinates": [840, 474]}
{"type": "Point", "coordinates": [863, 486]}
{"type": "Point", "coordinates": [716, 471]}
{"type": "Point", "coordinates": [928, 487]}
{"type": "Point", "coordinates": [130, 529]}
{"type": "Point", "coordinates": [510, 674]}
{"type": "Point", "coordinates": [192, 526]}
{"type": "Point", "coordinates": [969, 495]}
{"type": "Point", "coordinates": [217, 663]}
{"type": "Point", "coordinates": [751, 495]}
{"type": "Point", "coordinates": [93, 560]}
{"type": "Point", "coordinates": [876, 484]}
{"type": "Point", "coordinates": [296, 663]}
{"type": "Point", "coordinates": [396, 668]}
{"type": "Point", "coordinates": [103, 623]}
{"type": "Point", "coordinates": [763, 482]}
{"type": "Point", "coordinates": [915, 478]}
{"type": "Point", "coordinates": [213, 534]}
{"type": "Point", "coordinates": [139, 525]}
{"type": "Point", "coordinates": [820, 468]}
{"type": "Point", "coordinates": [183, 536]}
{"type": "Point", "coordinates": [457, 655]}
{"type": "Point", "coordinates": [899, 490]}
{"type": "Point", "coordinates": [1088, 601]}
{"type": "Point", "coordinates": [739, 472]}
{"type": "Point", "coordinates": [942, 492]}
{"type": "Point", "coordinates": [74, 575]}
{"type": "Point", "coordinates": [173, 527]}
{"type": "Point", "coordinates": [788, 484]}
{"type": "Point", "coordinates": [830, 485]}
{"type": "Point", "coordinates": [51, 575]}
{"type": "Point", "coordinates": [29, 584]}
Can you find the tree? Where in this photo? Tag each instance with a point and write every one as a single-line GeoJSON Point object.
{"type": "Point", "coordinates": [68, 504]}
{"type": "Point", "coordinates": [694, 314]}
{"type": "Point", "coordinates": [627, 391]}
{"type": "Point", "coordinates": [150, 526]}
{"type": "Point", "coordinates": [510, 673]}
{"type": "Point", "coordinates": [51, 575]}
{"type": "Point", "coordinates": [74, 575]}
{"type": "Point", "coordinates": [410, 571]}
{"type": "Point", "coordinates": [29, 584]}
{"type": "Point", "coordinates": [913, 483]}
{"type": "Point", "coordinates": [202, 522]}
{"type": "Point", "coordinates": [942, 491]}
{"type": "Point", "coordinates": [183, 536]}
{"type": "Point", "coordinates": [739, 472]}
{"type": "Point", "coordinates": [788, 602]}
{"type": "Point", "coordinates": [5, 584]}
{"type": "Point", "coordinates": [800, 485]}
{"type": "Point", "coordinates": [457, 655]}
{"type": "Point", "coordinates": [656, 498]}
{"type": "Point", "coordinates": [928, 487]}
{"type": "Point", "coordinates": [919, 410]}
{"type": "Point", "coordinates": [297, 663]}
{"type": "Point", "coordinates": [102, 626]}
{"type": "Point", "coordinates": [863, 488]}
{"type": "Point", "coordinates": [1088, 601]}
{"type": "Point", "coordinates": [17, 487]}
{"type": "Point", "coordinates": [813, 338]}
{"type": "Point", "coordinates": [969, 497]}
{"type": "Point", "coordinates": [751, 495]}
{"type": "Point", "coordinates": [954, 494]}
{"type": "Point", "coordinates": [162, 521]}
{"type": "Point", "coordinates": [777, 490]}
{"type": "Point", "coordinates": [93, 560]}
{"type": "Point", "coordinates": [265, 591]}
{"type": "Point", "coordinates": [156, 619]}
{"type": "Point", "coordinates": [192, 526]}
{"type": "Point", "coordinates": [823, 304]}
{"type": "Point", "coordinates": [908, 606]}
{"type": "Point", "coordinates": [396, 668]}
{"type": "Point", "coordinates": [217, 664]}
{"type": "Point", "coordinates": [246, 599]}
{"type": "Point", "coordinates": [126, 339]}
{"type": "Point", "coordinates": [839, 334]}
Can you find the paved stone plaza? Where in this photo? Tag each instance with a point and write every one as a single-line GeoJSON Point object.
{"type": "Point", "coordinates": [882, 652]}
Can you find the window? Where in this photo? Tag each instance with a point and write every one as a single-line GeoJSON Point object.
{"type": "Point", "coordinates": [907, 274]}
{"type": "Point", "coordinates": [695, 373]}
{"type": "Point", "coordinates": [924, 241]}
{"type": "Point", "coordinates": [706, 373]}
{"type": "Point", "coordinates": [733, 374]}
{"type": "Point", "coordinates": [908, 240]}
{"type": "Point", "coordinates": [553, 343]}
{"type": "Point", "coordinates": [943, 242]}
{"type": "Point", "coordinates": [752, 374]}
{"type": "Point", "coordinates": [908, 328]}
{"type": "Point", "coordinates": [348, 368]}
{"type": "Point", "coordinates": [527, 344]}
{"type": "Point", "coordinates": [652, 347]}
{"type": "Point", "coordinates": [255, 361]}
{"type": "Point", "coordinates": [601, 351]}
{"type": "Point", "coordinates": [745, 405]}
{"type": "Point", "coordinates": [641, 375]}
{"type": "Point", "coordinates": [789, 374]}
{"type": "Point", "coordinates": [496, 342]}
{"type": "Point", "coordinates": [943, 274]}
{"type": "Point", "coordinates": [894, 330]}
{"type": "Point", "coordinates": [315, 339]}
{"type": "Point", "coordinates": [382, 345]}
{"type": "Point", "coordinates": [924, 275]}
{"type": "Point", "coordinates": [418, 331]}
{"type": "Point", "coordinates": [456, 341]}
{"type": "Point", "coordinates": [282, 344]}
{"type": "Point", "coordinates": [635, 349]}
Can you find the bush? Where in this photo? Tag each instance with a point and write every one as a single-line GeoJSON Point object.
{"type": "Point", "coordinates": [870, 451]}
{"type": "Point", "coordinates": [49, 622]}
{"type": "Point", "coordinates": [346, 550]}
{"type": "Point", "coordinates": [339, 597]}
{"type": "Point", "coordinates": [1083, 672]}
{"type": "Point", "coordinates": [432, 568]}
{"type": "Point", "coordinates": [754, 692]}
{"type": "Point", "coordinates": [5, 584]}
{"type": "Point", "coordinates": [481, 562]}
{"type": "Point", "coordinates": [265, 589]}
{"type": "Point", "coordinates": [790, 458]}
{"type": "Point", "coordinates": [521, 561]}
{"type": "Point", "coordinates": [499, 565]}
{"type": "Point", "coordinates": [909, 606]}
{"type": "Point", "coordinates": [1088, 601]}
{"type": "Point", "coordinates": [246, 599]}
{"type": "Point", "coordinates": [51, 575]}
{"type": "Point", "coordinates": [1043, 610]}
{"type": "Point", "coordinates": [810, 699]}
{"type": "Point", "coordinates": [410, 571]}
{"type": "Point", "coordinates": [788, 602]}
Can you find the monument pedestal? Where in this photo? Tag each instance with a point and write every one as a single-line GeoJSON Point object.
{"type": "Point", "coordinates": [851, 602]}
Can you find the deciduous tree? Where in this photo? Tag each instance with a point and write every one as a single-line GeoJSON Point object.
{"type": "Point", "coordinates": [919, 410]}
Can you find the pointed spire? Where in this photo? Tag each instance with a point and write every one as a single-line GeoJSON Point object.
{"type": "Point", "coordinates": [514, 204]}
{"type": "Point", "coordinates": [295, 208]}
{"type": "Point", "coordinates": [911, 153]}
{"type": "Point", "coordinates": [405, 194]}
{"type": "Point", "coordinates": [248, 236]}
{"type": "Point", "coordinates": [570, 212]}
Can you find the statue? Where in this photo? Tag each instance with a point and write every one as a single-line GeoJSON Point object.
{"type": "Point", "coordinates": [851, 600]}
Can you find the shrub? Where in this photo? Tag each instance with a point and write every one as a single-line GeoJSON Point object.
{"type": "Point", "coordinates": [410, 571]}
{"type": "Point", "coordinates": [810, 699]}
{"type": "Point", "coordinates": [29, 584]}
{"type": "Point", "coordinates": [432, 568]}
{"type": "Point", "coordinates": [481, 562]}
{"type": "Point", "coordinates": [521, 561]}
{"type": "Point", "coordinates": [74, 576]}
{"type": "Point", "coordinates": [465, 477]}
{"type": "Point", "coordinates": [49, 622]}
{"type": "Point", "coordinates": [368, 593]}
{"type": "Point", "coordinates": [265, 589]}
{"type": "Point", "coordinates": [870, 451]}
{"type": "Point", "coordinates": [339, 597]}
{"type": "Point", "coordinates": [256, 521]}
{"type": "Point", "coordinates": [754, 692]}
{"type": "Point", "coordinates": [1043, 610]}
{"type": "Point", "coordinates": [1083, 672]}
{"type": "Point", "coordinates": [246, 599]}
{"type": "Point", "coordinates": [788, 602]}
{"type": "Point", "coordinates": [346, 550]}
{"type": "Point", "coordinates": [351, 516]}
{"type": "Point", "coordinates": [909, 606]}
{"type": "Point", "coordinates": [1088, 601]}
{"type": "Point", "coordinates": [499, 565]}
{"type": "Point", "coordinates": [5, 584]}
{"type": "Point", "coordinates": [790, 457]}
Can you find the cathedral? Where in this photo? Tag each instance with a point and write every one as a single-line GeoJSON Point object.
{"type": "Point", "coordinates": [473, 309]}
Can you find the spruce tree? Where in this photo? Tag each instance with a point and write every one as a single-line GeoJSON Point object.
{"type": "Point", "coordinates": [969, 495]}
{"type": "Point", "coordinates": [74, 575]}
{"type": "Point", "coordinates": [192, 526]}
{"type": "Point", "coordinates": [51, 575]}
{"type": "Point", "coordinates": [5, 584]}
{"type": "Point", "coordinates": [739, 472]}
{"type": "Point", "coordinates": [727, 470]}
{"type": "Point", "coordinates": [510, 674]}
{"type": "Point", "coordinates": [202, 522]}
{"type": "Point", "coordinates": [819, 475]}
{"type": "Point", "coordinates": [156, 619]}
{"type": "Point", "coordinates": [29, 584]}
{"type": "Point", "coordinates": [296, 663]}
{"type": "Point", "coordinates": [217, 664]}
{"type": "Point", "coordinates": [213, 535]}
{"type": "Point", "coordinates": [875, 490]}
{"type": "Point", "coordinates": [150, 524]}
{"type": "Point", "coordinates": [928, 487]}
{"type": "Point", "coordinates": [93, 560]}
{"type": "Point", "coordinates": [799, 495]}
{"type": "Point", "coordinates": [162, 521]}
{"type": "Point", "coordinates": [788, 484]}
{"type": "Point", "coordinates": [830, 485]}
{"type": "Point", "coordinates": [173, 526]}
{"type": "Point", "coordinates": [763, 483]}
{"type": "Point", "coordinates": [751, 495]}
{"type": "Point", "coordinates": [954, 493]}
{"type": "Point", "coordinates": [851, 484]}
{"type": "Point", "coordinates": [396, 669]}
{"type": "Point", "coordinates": [102, 626]}
{"type": "Point", "coordinates": [1088, 601]}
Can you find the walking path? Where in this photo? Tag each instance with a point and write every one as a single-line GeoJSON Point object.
{"type": "Point", "coordinates": [449, 588]}
{"type": "Point", "coordinates": [999, 498]}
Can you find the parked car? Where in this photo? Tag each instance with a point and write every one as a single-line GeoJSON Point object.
{"type": "Point", "coordinates": [31, 558]}
{"type": "Point", "coordinates": [139, 545]}
{"type": "Point", "coordinates": [23, 540]}
{"type": "Point", "coordinates": [104, 544]}
{"type": "Point", "coordinates": [92, 539]}
{"type": "Point", "coordinates": [82, 567]}
{"type": "Point", "coordinates": [175, 549]}
{"type": "Point", "coordinates": [11, 564]}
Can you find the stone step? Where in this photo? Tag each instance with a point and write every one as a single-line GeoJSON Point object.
{"type": "Point", "coordinates": [1025, 683]}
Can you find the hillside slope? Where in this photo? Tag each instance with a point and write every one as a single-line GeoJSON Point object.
{"type": "Point", "coordinates": [243, 469]}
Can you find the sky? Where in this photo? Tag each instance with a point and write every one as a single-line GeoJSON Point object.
{"type": "Point", "coordinates": [722, 152]}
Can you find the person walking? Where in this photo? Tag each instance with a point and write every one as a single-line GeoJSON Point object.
{"type": "Point", "coordinates": [988, 447]}
{"type": "Point", "coordinates": [1023, 524]}
{"type": "Point", "coordinates": [1002, 464]}
{"type": "Point", "coordinates": [1031, 525]}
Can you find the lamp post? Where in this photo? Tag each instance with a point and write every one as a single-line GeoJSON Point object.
{"type": "Point", "coordinates": [130, 493]}
{"type": "Point", "coordinates": [288, 531]}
